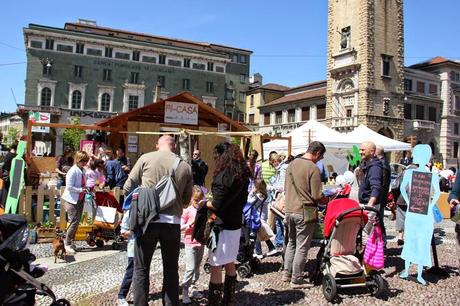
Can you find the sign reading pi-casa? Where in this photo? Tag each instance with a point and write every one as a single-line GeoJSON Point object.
{"type": "Point", "coordinates": [181, 113]}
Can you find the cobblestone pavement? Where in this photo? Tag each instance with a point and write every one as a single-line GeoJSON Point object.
{"type": "Point", "coordinates": [96, 282]}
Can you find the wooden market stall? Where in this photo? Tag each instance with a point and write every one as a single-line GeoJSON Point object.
{"type": "Point", "coordinates": [182, 115]}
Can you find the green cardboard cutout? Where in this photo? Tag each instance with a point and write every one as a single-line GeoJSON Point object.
{"type": "Point", "coordinates": [354, 158]}
{"type": "Point", "coordinates": [16, 179]}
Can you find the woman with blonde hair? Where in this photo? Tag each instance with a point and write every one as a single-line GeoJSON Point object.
{"type": "Point", "coordinates": [74, 196]}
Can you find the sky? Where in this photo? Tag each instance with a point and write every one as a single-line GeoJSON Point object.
{"type": "Point", "coordinates": [288, 38]}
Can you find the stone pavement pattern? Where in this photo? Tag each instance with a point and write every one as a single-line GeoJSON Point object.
{"type": "Point", "coordinates": [96, 281]}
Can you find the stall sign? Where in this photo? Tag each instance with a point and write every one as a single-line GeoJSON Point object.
{"type": "Point", "coordinates": [88, 146]}
{"type": "Point", "coordinates": [38, 117]}
{"type": "Point", "coordinates": [181, 113]}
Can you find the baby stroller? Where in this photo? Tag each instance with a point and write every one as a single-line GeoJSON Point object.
{"type": "Point", "coordinates": [18, 277]}
{"type": "Point", "coordinates": [339, 261]}
{"type": "Point", "coordinates": [251, 224]}
{"type": "Point", "coordinates": [106, 224]}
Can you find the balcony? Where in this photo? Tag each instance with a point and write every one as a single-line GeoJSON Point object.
{"type": "Point", "coordinates": [423, 124]}
{"type": "Point", "coordinates": [344, 122]}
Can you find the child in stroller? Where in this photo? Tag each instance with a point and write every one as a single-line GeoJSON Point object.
{"type": "Point", "coordinates": [339, 261]}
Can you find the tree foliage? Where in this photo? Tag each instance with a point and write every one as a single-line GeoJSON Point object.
{"type": "Point", "coordinates": [14, 133]}
{"type": "Point", "coordinates": [73, 136]}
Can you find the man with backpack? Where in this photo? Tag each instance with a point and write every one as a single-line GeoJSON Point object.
{"type": "Point", "coordinates": [386, 179]}
{"type": "Point", "coordinates": [169, 180]}
{"type": "Point", "coordinates": [116, 176]}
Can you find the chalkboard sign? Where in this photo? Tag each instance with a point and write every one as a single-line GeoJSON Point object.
{"type": "Point", "coordinates": [420, 192]}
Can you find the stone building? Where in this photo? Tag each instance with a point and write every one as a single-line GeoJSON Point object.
{"type": "Point", "coordinates": [93, 72]}
{"type": "Point", "coordinates": [365, 66]}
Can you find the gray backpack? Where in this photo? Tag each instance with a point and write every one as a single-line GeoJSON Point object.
{"type": "Point", "coordinates": [166, 188]}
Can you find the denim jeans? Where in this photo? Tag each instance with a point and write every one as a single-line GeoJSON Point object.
{"type": "Point", "coordinates": [127, 279]}
{"type": "Point", "coordinates": [259, 246]}
{"type": "Point", "coordinates": [279, 238]}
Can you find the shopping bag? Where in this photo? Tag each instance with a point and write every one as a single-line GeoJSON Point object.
{"type": "Point", "coordinates": [373, 254]}
{"type": "Point", "coordinates": [265, 232]}
{"type": "Point", "coordinates": [106, 215]}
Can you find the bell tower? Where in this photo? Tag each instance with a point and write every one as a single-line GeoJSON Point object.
{"type": "Point", "coordinates": [365, 62]}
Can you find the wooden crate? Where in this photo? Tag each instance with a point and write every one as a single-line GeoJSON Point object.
{"type": "Point", "coordinates": [45, 235]}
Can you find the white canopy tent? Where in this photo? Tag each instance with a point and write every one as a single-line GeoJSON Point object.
{"type": "Point", "coordinates": [363, 133]}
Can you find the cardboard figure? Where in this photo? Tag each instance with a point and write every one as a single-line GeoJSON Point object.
{"type": "Point", "coordinates": [17, 179]}
{"type": "Point", "coordinates": [419, 224]}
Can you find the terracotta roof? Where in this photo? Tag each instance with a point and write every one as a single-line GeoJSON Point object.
{"type": "Point", "coordinates": [434, 61]}
{"type": "Point", "coordinates": [304, 95]}
{"type": "Point", "coordinates": [274, 86]}
{"type": "Point", "coordinates": [310, 84]}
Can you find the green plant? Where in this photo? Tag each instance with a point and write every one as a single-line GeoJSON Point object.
{"type": "Point", "coordinates": [47, 224]}
{"type": "Point", "coordinates": [236, 141]}
{"type": "Point", "coordinates": [13, 134]}
{"type": "Point", "coordinates": [73, 136]}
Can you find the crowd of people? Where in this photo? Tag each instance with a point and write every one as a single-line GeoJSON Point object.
{"type": "Point", "coordinates": [150, 219]}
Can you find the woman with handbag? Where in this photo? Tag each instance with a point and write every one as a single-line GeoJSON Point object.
{"type": "Point", "coordinates": [74, 196]}
{"type": "Point", "coordinates": [230, 192]}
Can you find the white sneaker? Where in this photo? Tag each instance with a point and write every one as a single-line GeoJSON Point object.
{"type": "Point", "coordinates": [185, 296]}
{"type": "Point", "coordinates": [272, 252]}
{"type": "Point", "coordinates": [122, 302]}
{"type": "Point", "coordinates": [69, 250]}
{"type": "Point", "coordinates": [259, 256]}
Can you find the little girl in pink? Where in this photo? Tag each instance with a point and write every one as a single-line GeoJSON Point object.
{"type": "Point", "coordinates": [193, 249]}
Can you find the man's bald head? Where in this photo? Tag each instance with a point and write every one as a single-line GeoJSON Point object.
{"type": "Point", "coordinates": [166, 143]}
{"type": "Point", "coordinates": [367, 150]}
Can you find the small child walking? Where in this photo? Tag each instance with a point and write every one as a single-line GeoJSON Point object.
{"type": "Point", "coordinates": [193, 249]}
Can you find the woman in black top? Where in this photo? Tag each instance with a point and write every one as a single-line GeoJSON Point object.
{"type": "Point", "coordinates": [230, 193]}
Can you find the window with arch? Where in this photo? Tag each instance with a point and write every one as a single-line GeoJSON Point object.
{"type": "Point", "coordinates": [76, 99]}
{"type": "Point", "coordinates": [45, 97]}
{"type": "Point", "coordinates": [105, 102]}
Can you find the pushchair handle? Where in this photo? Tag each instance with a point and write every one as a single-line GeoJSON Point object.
{"type": "Point", "coordinates": [361, 207]}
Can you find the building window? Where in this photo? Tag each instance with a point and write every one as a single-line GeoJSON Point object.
{"type": "Point", "coordinates": [243, 59]}
{"type": "Point", "coordinates": [36, 44]}
{"type": "Point", "coordinates": [134, 78]}
{"type": "Point", "coordinates": [136, 55]}
{"type": "Point", "coordinates": [107, 75]}
{"type": "Point", "coordinates": [93, 52]}
{"type": "Point", "coordinates": [133, 102]}
{"type": "Point", "coordinates": [407, 111]}
{"type": "Point", "coordinates": [76, 100]}
{"type": "Point", "coordinates": [80, 48]}
{"type": "Point", "coordinates": [242, 96]}
{"type": "Point", "coordinates": [235, 58]}
{"type": "Point", "coordinates": [407, 85]}
{"type": "Point", "coordinates": [45, 97]}
{"type": "Point", "coordinates": [210, 87]}
{"type": "Point", "coordinates": [186, 63]}
{"type": "Point", "coordinates": [291, 115]}
{"type": "Point", "coordinates": [175, 63]}
{"type": "Point", "coordinates": [454, 76]}
{"type": "Point", "coordinates": [455, 151]}
{"type": "Point", "coordinates": [266, 118]}
{"type": "Point", "coordinates": [49, 44]}
{"type": "Point", "coordinates": [279, 117]}
{"type": "Point", "coordinates": [455, 128]}
{"type": "Point", "coordinates": [345, 38]}
{"type": "Point", "coordinates": [433, 89]}
{"type": "Point", "coordinates": [210, 66]}
{"type": "Point", "coordinates": [108, 52]}
{"type": "Point", "coordinates": [241, 117]}
{"type": "Point", "coordinates": [242, 78]}
{"type": "Point", "coordinates": [78, 71]}
{"type": "Point", "coordinates": [421, 87]}
{"type": "Point", "coordinates": [186, 84]}
{"type": "Point", "coordinates": [419, 112]}
{"type": "Point", "coordinates": [305, 113]}
{"type": "Point", "coordinates": [457, 103]}
{"type": "Point", "coordinates": [321, 111]}
{"type": "Point", "coordinates": [162, 81]}
{"type": "Point", "coordinates": [432, 114]}
{"type": "Point", "coordinates": [105, 102]}
{"type": "Point", "coordinates": [122, 55]}
{"type": "Point", "coordinates": [149, 59]}
{"type": "Point", "coordinates": [251, 101]}
{"type": "Point", "coordinates": [162, 59]}
{"type": "Point", "coordinates": [229, 115]}
{"type": "Point", "coordinates": [386, 61]}
{"type": "Point", "coordinates": [349, 112]}
{"type": "Point", "coordinates": [251, 119]}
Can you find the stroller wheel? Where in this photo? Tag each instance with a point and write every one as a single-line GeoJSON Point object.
{"type": "Point", "coordinates": [244, 271]}
{"type": "Point", "coordinates": [376, 284]}
{"type": "Point", "coordinates": [115, 246]}
{"type": "Point", "coordinates": [99, 243]}
{"type": "Point", "coordinates": [90, 241]}
{"type": "Point", "coordinates": [207, 268]}
{"type": "Point", "coordinates": [329, 287]}
{"type": "Point", "coordinates": [61, 302]}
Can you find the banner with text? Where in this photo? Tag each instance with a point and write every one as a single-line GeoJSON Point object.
{"type": "Point", "coordinates": [181, 113]}
{"type": "Point", "coordinates": [38, 117]}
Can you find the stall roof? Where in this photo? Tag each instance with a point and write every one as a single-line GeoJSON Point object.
{"type": "Point", "coordinates": [154, 112]}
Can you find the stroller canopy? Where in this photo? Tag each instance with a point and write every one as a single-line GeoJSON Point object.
{"type": "Point", "coordinates": [338, 206]}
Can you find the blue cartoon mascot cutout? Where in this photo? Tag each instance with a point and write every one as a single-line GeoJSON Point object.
{"type": "Point", "coordinates": [419, 224]}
